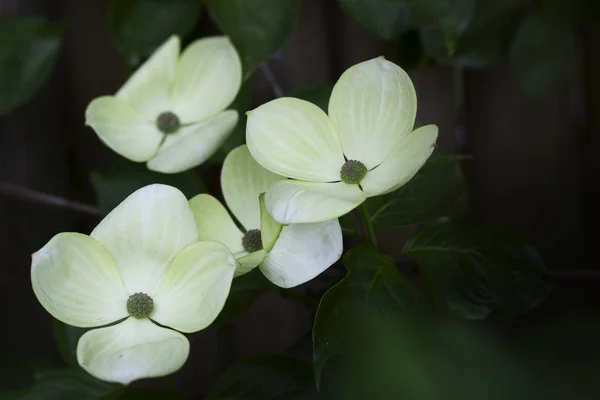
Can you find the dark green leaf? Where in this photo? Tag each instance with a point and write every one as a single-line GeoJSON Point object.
{"type": "Point", "coordinates": [385, 18]}
{"type": "Point", "coordinates": [29, 47]}
{"type": "Point", "coordinates": [411, 50]}
{"type": "Point", "coordinates": [451, 17]}
{"type": "Point", "coordinates": [113, 186]}
{"type": "Point", "coordinates": [66, 337]}
{"type": "Point", "coordinates": [140, 26]}
{"type": "Point", "coordinates": [265, 377]}
{"type": "Point", "coordinates": [437, 186]}
{"type": "Point", "coordinates": [348, 225]}
{"type": "Point", "coordinates": [20, 373]}
{"type": "Point", "coordinates": [245, 290]}
{"type": "Point", "coordinates": [67, 384]}
{"type": "Point", "coordinates": [140, 394]}
{"type": "Point", "coordinates": [476, 272]}
{"type": "Point", "coordinates": [318, 94]}
{"type": "Point", "coordinates": [258, 28]}
{"type": "Point", "coordinates": [372, 285]}
{"type": "Point", "coordinates": [543, 53]}
{"type": "Point", "coordinates": [482, 43]}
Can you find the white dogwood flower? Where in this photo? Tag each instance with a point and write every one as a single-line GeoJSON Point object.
{"type": "Point", "coordinates": [172, 112]}
{"type": "Point", "coordinates": [287, 255]}
{"type": "Point", "coordinates": [142, 264]}
{"type": "Point", "coordinates": [365, 146]}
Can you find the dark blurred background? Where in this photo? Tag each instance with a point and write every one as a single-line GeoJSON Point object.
{"type": "Point", "coordinates": [535, 167]}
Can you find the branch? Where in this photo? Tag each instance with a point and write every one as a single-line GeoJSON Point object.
{"type": "Point", "coordinates": [275, 86]}
{"type": "Point", "coordinates": [48, 199]}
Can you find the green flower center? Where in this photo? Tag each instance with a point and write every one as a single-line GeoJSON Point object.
{"type": "Point", "coordinates": [353, 172]}
{"type": "Point", "coordinates": [168, 123]}
{"type": "Point", "coordinates": [252, 241]}
{"type": "Point", "coordinates": [140, 305]}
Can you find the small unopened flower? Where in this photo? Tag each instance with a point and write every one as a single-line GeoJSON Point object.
{"type": "Point", "coordinates": [142, 265]}
{"type": "Point", "coordinates": [365, 147]}
{"type": "Point", "coordinates": [287, 255]}
{"type": "Point", "coordinates": [172, 112]}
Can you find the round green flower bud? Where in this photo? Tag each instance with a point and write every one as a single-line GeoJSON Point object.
{"type": "Point", "coordinates": [168, 122]}
{"type": "Point", "coordinates": [252, 241]}
{"type": "Point", "coordinates": [140, 305]}
{"type": "Point", "coordinates": [353, 172]}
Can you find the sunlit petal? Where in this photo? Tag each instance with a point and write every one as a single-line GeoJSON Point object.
{"type": "Point", "coordinates": [373, 107]}
{"type": "Point", "coordinates": [296, 139]}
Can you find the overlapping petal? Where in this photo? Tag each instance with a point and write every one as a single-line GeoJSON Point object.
{"type": "Point", "coordinates": [195, 288]}
{"type": "Point", "coordinates": [373, 107]}
{"type": "Point", "coordinates": [208, 77]}
{"type": "Point", "coordinates": [193, 144]}
{"type": "Point", "coordinates": [145, 232]}
{"type": "Point", "coordinates": [302, 252]}
{"type": "Point", "coordinates": [269, 228]}
{"type": "Point", "coordinates": [249, 261]}
{"type": "Point", "coordinates": [295, 138]}
{"type": "Point", "coordinates": [76, 280]}
{"type": "Point", "coordinates": [214, 223]}
{"type": "Point", "coordinates": [292, 202]}
{"type": "Point", "coordinates": [122, 128]}
{"type": "Point", "coordinates": [403, 163]}
{"type": "Point", "coordinates": [242, 181]}
{"type": "Point", "coordinates": [131, 350]}
{"type": "Point", "coordinates": [148, 90]}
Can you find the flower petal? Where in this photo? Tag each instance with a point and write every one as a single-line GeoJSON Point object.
{"type": "Point", "coordinates": [132, 350]}
{"type": "Point", "coordinates": [302, 252]}
{"type": "Point", "coordinates": [242, 181]}
{"type": "Point", "coordinates": [145, 232]}
{"type": "Point", "coordinates": [269, 228]}
{"type": "Point", "coordinates": [193, 144]}
{"type": "Point", "coordinates": [122, 129]}
{"type": "Point", "coordinates": [214, 223]}
{"type": "Point", "coordinates": [373, 107]}
{"type": "Point", "coordinates": [209, 75]}
{"type": "Point", "coordinates": [403, 163]}
{"type": "Point", "coordinates": [293, 202]}
{"type": "Point", "coordinates": [195, 287]}
{"type": "Point", "coordinates": [248, 262]}
{"type": "Point", "coordinates": [76, 280]}
{"type": "Point", "coordinates": [148, 90]}
{"type": "Point", "coordinates": [295, 138]}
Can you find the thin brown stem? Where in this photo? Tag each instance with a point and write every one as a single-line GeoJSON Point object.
{"type": "Point", "coordinates": [34, 196]}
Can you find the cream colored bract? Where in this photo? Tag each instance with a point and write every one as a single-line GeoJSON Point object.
{"type": "Point", "coordinates": [148, 244]}
{"type": "Point", "coordinates": [290, 255]}
{"type": "Point", "coordinates": [196, 86]}
{"type": "Point", "coordinates": [372, 111]}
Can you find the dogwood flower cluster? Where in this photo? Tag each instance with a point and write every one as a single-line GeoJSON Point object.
{"type": "Point", "coordinates": [159, 265]}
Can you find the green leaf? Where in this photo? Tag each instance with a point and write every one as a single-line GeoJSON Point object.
{"type": "Point", "coordinates": [114, 185]}
{"type": "Point", "coordinates": [265, 377]}
{"type": "Point", "coordinates": [67, 384]}
{"type": "Point", "coordinates": [140, 26]}
{"type": "Point", "coordinates": [258, 28]}
{"type": "Point", "coordinates": [245, 290]}
{"type": "Point", "coordinates": [318, 94]}
{"type": "Point", "coordinates": [385, 18]}
{"type": "Point", "coordinates": [482, 43]}
{"type": "Point", "coordinates": [140, 394]}
{"type": "Point", "coordinates": [476, 273]}
{"type": "Point", "coordinates": [452, 17]}
{"type": "Point", "coordinates": [66, 337]}
{"type": "Point", "coordinates": [372, 285]}
{"type": "Point", "coordinates": [29, 47]}
{"type": "Point", "coordinates": [436, 186]}
{"type": "Point", "coordinates": [543, 53]}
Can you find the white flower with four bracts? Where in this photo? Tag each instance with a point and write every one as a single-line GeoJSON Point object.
{"type": "Point", "coordinates": [142, 264]}
{"type": "Point", "coordinates": [365, 147]}
{"type": "Point", "coordinates": [287, 255]}
{"type": "Point", "coordinates": [172, 112]}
